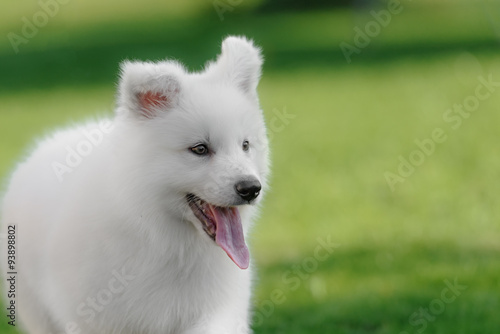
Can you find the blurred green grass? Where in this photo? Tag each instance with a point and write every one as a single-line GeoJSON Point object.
{"type": "Point", "coordinates": [351, 122]}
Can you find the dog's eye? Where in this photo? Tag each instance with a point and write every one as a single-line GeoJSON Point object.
{"type": "Point", "coordinates": [245, 146]}
{"type": "Point", "coordinates": [200, 149]}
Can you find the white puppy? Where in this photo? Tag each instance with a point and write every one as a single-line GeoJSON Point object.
{"type": "Point", "coordinates": [137, 224]}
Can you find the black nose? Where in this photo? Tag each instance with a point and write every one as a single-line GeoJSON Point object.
{"type": "Point", "coordinates": [248, 189]}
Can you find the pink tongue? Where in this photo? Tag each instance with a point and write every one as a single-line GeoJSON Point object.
{"type": "Point", "coordinates": [230, 235]}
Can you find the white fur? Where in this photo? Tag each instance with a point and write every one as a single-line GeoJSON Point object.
{"type": "Point", "coordinates": [123, 208]}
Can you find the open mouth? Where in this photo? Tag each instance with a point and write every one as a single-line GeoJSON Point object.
{"type": "Point", "coordinates": [223, 225]}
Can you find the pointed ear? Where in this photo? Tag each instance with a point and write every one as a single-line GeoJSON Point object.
{"type": "Point", "coordinates": [240, 63]}
{"type": "Point", "coordinates": [148, 89]}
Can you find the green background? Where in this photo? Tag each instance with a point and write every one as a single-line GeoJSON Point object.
{"type": "Point", "coordinates": [349, 123]}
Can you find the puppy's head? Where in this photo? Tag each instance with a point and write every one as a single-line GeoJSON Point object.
{"type": "Point", "coordinates": [201, 139]}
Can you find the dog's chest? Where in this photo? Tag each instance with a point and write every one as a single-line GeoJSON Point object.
{"type": "Point", "coordinates": [168, 298]}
